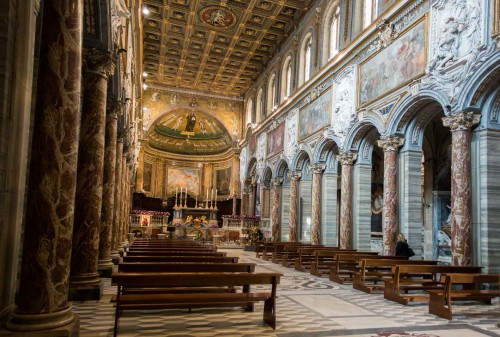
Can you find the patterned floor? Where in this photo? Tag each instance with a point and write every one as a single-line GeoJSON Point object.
{"type": "Point", "coordinates": [307, 306]}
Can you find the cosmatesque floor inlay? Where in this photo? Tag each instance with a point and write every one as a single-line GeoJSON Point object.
{"type": "Point", "coordinates": [307, 306]}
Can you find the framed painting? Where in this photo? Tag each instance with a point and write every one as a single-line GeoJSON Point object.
{"type": "Point", "coordinates": [185, 178]}
{"type": "Point", "coordinates": [395, 66]}
{"type": "Point", "coordinates": [275, 139]}
{"type": "Point", "coordinates": [147, 176]}
{"type": "Point", "coordinates": [316, 115]}
{"type": "Point", "coordinates": [252, 143]}
{"type": "Point", "coordinates": [223, 181]}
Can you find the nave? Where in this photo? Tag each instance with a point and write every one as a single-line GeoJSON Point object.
{"type": "Point", "coordinates": [307, 306]}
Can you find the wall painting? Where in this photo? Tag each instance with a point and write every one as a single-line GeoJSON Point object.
{"type": "Point", "coordinates": [189, 178]}
{"type": "Point", "coordinates": [147, 176]}
{"type": "Point", "coordinates": [396, 65]}
{"type": "Point", "coordinates": [275, 139]}
{"type": "Point", "coordinates": [316, 115]}
{"type": "Point", "coordinates": [223, 181]}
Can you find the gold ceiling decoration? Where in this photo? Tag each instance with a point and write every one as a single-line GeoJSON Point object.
{"type": "Point", "coordinates": [215, 46]}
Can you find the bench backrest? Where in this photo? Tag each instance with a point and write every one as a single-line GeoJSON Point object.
{"type": "Point", "coordinates": [173, 252]}
{"type": "Point", "coordinates": [222, 259]}
{"type": "Point", "coordinates": [475, 279]}
{"type": "Point", "coordinates": [384, 261]}
{"type": "Point", "coordinates": [434, 269]}
{"type": "Point", "coordinates": [295, 248]}
{"type": "Point", "coordinates": [185, 267]}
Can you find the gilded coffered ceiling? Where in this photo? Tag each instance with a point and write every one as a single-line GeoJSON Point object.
{"type": "Point", "coordinates": [215, 46]}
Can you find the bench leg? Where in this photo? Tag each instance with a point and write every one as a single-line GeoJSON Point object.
{"type": "Point", "coordinates": [270, 312]}
{"type": "Point", "coordinates": [250, 305]}
{"type": "Point", "coordinates": [438, 307]}
{"type": "Point", "coordinates": [117, 315]}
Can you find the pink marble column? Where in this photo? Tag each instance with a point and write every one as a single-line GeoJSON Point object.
{"type": "Point", "coordinates": [345, 226]}
{"type": "Point", "coordinates": [275, 210]}
{"type": "Point", "coordinates": [317, 170]}
{"type": "Point", "coordinates": [104, 264]}
{"type": "Point", "coordinates": [85, 283]}
{"type": "Point", "coordinates": [116, 240]}
{"type": "Point", "coordinates": [294, 204]}
{"type": "Point", "coordinates": [42, 299]}
{"type": "Point", "coordinates": [390, 226]}
{"type": "Point", "coordinates": [123, 216]}
{"type": "Point", "coordinates": [461, 200]}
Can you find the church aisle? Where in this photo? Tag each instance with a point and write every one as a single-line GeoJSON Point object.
{"type": "Point", "coordinates": [307, 306]}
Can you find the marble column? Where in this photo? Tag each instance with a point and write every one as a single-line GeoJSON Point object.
{"type": "Point", "coordinates": [139, 180]}
{"type": "Point", "coordinates": [116, 240]}
{"type": "Point", "coordinates": [294, 205]}
{"type": "Point", "coordinates": [244, 202]}
{"type": "Point", "coordinates": [317, 170]}
{"type": "Point", "coordinates": [390, 227]}
{"type": "Point", "coordinates": [123, 216]}
{"type": "Point", "coordinates": [42, 299]}
{"type": "Point", "coordinates": [253, 210]}
{"type": "Point", "coordinates": [104, 264]}
{"type": "Point", "coordinates": [85, 283]}
{"type": "Point", "coordinates": [461, 189]}
{"type": "Point", "coordinates": [345, 227]}
{"type": "Point", "coordinates": [275, 210]}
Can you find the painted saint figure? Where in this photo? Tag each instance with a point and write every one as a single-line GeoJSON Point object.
{"type": "Point", "coordinates": [191, 121]}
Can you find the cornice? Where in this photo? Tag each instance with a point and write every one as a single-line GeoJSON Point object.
{"type": "Point", "coordinates": [193, 93]}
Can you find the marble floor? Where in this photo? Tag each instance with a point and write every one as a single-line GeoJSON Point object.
{"type": "Point", "coordinates": [306, 306]}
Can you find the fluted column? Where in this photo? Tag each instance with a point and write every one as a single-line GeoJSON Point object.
{"type": "Point", "coordinates": [317, 170]}
{"type": "Point", "coordinates": [275, 210]}
{"type": "Point", "coordinates": [105, 265]}
{"type": "Point", "coordinates": [85, 283]}
{"type": "Point", "coordinates": [294, 204]}
{"type": "Point", "coordinates": [116, 240]}
{"type": "Point", "coordinates": [345, 226]}
{"type": "Point", "coordinates": [461, 199]}
{"type": "Point", "coordinates": [390, 227]}
{"type": "Point", "coordinates": [42, 300]}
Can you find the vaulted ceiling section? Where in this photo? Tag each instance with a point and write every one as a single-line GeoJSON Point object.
{"type": "Point", "coordinates": [218, 47]}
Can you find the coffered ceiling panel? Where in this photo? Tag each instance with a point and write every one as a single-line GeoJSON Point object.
{"type": "Point", "coordinates": [215, 46]}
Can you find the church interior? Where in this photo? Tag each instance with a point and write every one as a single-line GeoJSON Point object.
{"type": "Point", "coordinates": [304, 140]}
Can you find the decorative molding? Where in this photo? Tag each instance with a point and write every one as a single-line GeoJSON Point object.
{"type": "Point", "coordinates": [99, 62]}
{"type": "Point", "coordinates": [464, 120]}
{"type": "Point", "coordinates": [344, 114]}
{"type": "Point", "coordinates": [291, 135]}
{"type": "Point", "coordinates": [317, 168]}
{"type": "Point", "coordinates": [391, 143]}
{"type": "Point", "coordinates": [346, 158]}
{"type": "Point", "coordinates": [386, 33]}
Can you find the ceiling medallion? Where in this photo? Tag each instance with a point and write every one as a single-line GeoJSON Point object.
{"type": "Point", "coordinates": [217, 16]}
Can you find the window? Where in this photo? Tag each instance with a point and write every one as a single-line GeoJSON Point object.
{"type": "Point", "coordinates": [370, 10]}
{"type": "Point", "coordinates": [250, 112]}
{"type": "Point", "coordinates": [271, 93]}
{"type": "Point", "coordinates": [334, 34]}
{"type": "Point", "coordinates": [259, 106]}
{"type": "Point", "coordinates": [286, 78]}
{"type": "Point", "coordinates": [307, 59]}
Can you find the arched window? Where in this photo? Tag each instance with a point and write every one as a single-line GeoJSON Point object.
{"type": "Point", "coordinates": [334, 33]}
{"type": "Point", "coordinates": [258, 106]}
{"type": "Point", "coordinates": [370, 11]}
{"type": "Point", "coordinates": [307, 59]}
{"type": "Point", "coordinates": [271, 93]}
{"type": "Point", "coordinates": [250, 112]}
{"type": "Point", "coordinates": [286, 78]}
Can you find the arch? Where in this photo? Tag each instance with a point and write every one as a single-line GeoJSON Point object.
{"type": "Point", "coordinates": [267, 175]}
{"type": "Point", "coordinates": [272, 90]}
{"type": "Point", "coordinates": [259, 106]}
{"type": "Point", "coordinates": [306, 57]}
{"type": "Point", "coordinates": [281, 168]}
{"type": "Point", "coordinates": [252, 167]}
{"type": "Point", "coordinates": [250, 116]}
{"type": "Point", "coordinates": [331, 32]}
{"type": "Point", "coordinates": [301, 158]}
{"type": "Point", "coordinates": [355, 136]}
{"type": "Point", "coordinates": [324, 147]}
{"type": "Point", "coordinates": [286, 78]}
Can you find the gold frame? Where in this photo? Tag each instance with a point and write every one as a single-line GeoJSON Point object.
{"type": "Point", "coordinates": [424, 19]}
{"type": "Point", "coordinates": [268, 156]}
{"type": "Point", "coordinates": [299, 124]}
{"type": "Point", "coordinates": [496, 18]}
{"type": "Point", "coordinates": [180, 168]}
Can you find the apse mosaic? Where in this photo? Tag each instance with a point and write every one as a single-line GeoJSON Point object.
{"type": "Point", "coordinates": [191, 132]}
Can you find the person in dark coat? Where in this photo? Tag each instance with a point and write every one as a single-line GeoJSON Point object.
{"type": "Point", "coordinates": [402, 247]}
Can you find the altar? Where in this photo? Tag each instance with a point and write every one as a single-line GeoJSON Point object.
{"type": "Point", "coordinates": [185, 215]}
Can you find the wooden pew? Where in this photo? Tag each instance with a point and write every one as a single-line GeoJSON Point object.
{"type": "Point", "coordinates": [292, 253]}
{"type": "Point", "coordinates": [174, 253]}
{"type": "Point", "coordinates": [408, 278]}
{"type": "Point", "coordinates": [246, 298]}
{"type": "Point", "coordinates": [185, 267]}
{"type": "Point", "coordinates": [306, 256]}
{"type": "Point", "coordinates": [346, 265]}
{"type": "Point", "coordinates": [461, 287]}
{"type": "Point", "coordinates": [220, 259]}
{"type": "Point", "coordinates": [325, 259]}
{"type": "Point", "coordinates": [259, 248]}
{"type": "Point", "coordinates": [372, 272]}
{"type": "Point", "coordinates": [268, 248]}
{"type": "Point", "coordinates": [279, 250]}
{"type": "Point", "coordinates": [194, 249]}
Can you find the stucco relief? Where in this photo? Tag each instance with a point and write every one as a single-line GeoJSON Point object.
{"type": "Point", "coordinates": [261, 153]}
{"type": "Point", "coordinates": [291, 144]}
{"type": "Point", "coordinates": [243, 164]}
{"type": "Point", "coordinates": [456, 44]}
{"type": "Point", "coordinates": [344, 104]}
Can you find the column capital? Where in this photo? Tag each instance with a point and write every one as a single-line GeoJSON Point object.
{"type": "Point", "coordinates": [294, 175]}
{"type": "Point", "coordinates": [461, 121]}
{"type": "Point", "coordinates": [99, 62]}
{"type": "Point", "coordinates": [391, 143]}
{"type": "Point", "coordinates": [114, 108]}
{"type": "Point", "coordinates": [266, 185]}
{"type": "Point", "coordinates": [346, 158]}
{"type": "Point", "coordinates": [277, 181]}
{"type": "Point", "coordinates": [317, 168]}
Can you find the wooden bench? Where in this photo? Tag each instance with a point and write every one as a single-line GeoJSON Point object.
{"type": "Point", "coordinates": [306, 256]}
{"type": "Point", "coordinates": [418, 278]}
{"type": "Point", "coordinates": [160, 248]}
{"type": "Point", "coordinates": [173, 252]}
{"type": "Point", "coordinates": [246, 298]}
{"type": "Point", "coordinates": [461, 287]}
{"type": "Point", "coordinates": [267, 251]}
{"type": "Point", "coordinates": [279, 250]}
{"type": "Point", "coordinates": [372, 272]}
{"type": "Point", "coordinates": [292, 253]}
{"type": "Point", "coordinates": [185, 267]}
{"type": "Point", "coordinates": [222, 259]}
{"type": "Point", "coordinates": [346, 265]}
{"type": "Point", "coordinates": [324, 260]}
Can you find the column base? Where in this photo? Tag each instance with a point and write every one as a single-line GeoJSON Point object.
{"type": "Point", "coordinates": [85, 288]}
{"type": "Point", "coordinates": [105, 267]}
{"type": "Point", "coordinates": [58, 324]}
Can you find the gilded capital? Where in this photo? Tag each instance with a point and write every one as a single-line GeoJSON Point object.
{"type": "Point", "coordinates": [461, 121]}
{"type": "Point", "coordinates": [391, 143]}
{"type": "Point", "coordinates": [294, 175]}
{"type": "Point", "coordinates": [346, 158]}
{"type": "Point", "coordinates": [317, 168]}
{"type": "Point", "coordinates": [114, 108]}
{"type": "Point", "coordinates": [99, 61]}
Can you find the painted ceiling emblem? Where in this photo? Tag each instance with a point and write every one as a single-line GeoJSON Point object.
{"type": "Point", "coordinates": [217, 16]}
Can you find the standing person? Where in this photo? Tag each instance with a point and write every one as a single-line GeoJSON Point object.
{"type": "Point", "coordinates": [402, 247]}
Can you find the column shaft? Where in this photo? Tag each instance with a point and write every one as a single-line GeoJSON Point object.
{"type": "Point", "coordinates": [42, 301]}
{"type": "Point", "coordinates": [294, 205]}
{"type": "Point", "coordinates": [316, 204]}
{"type": "Point", "coordinates": [275, 211]}
{"type": "Point", "coordinates": [345, 226]}
{"type": "Point", "coordinates": [118, 191]}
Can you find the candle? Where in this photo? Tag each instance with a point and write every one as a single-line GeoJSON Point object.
{"type": "Point", "coordinates": [207, 194]}
{"type": "Point", "coordinates": [215, 194]}
{"type": "Point", "coordinates": [212, 195]}
{"type": "Point", "coordinates": [176, 187]}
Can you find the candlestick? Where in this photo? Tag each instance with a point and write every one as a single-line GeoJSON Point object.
{"type": "Point", "coordinates": [175, 197]}
{"type": "Point", "coordinates": [185, 197]}
{"type": "Point", "coordinates": [207, 195]}
{"type": "Point", "coordinates": [212, 195]}
{"type": "Point", "coordinates": [196, 202]}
